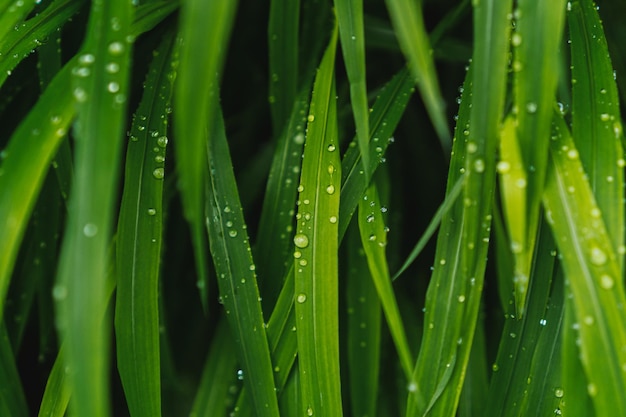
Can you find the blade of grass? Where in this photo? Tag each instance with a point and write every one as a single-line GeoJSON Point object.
{"type": "Point", "coordinates": [454, 293]}
{"type": "Point", "coordinates": [56, 396]}
{"type": "Point", "coordinates": [352, 37]}
{"type": "Point", "coordinates": [139, 239]}
{"type": "Point", "coordinates": [363, 329]}
{"type": "Point", "coordinates": [316, 245]}
{"type": "Point", "coordinates": [21, 42]}
{"type": "Point", "coordinates": [593, 273]}
{"type": "Point", "coordinates": [408, 22]}
{"type": "Point", "coordinates": [99, 88]}
{"type": "Point", "coordinates": [205, 30]}
{"type": "Point", "coordinates": [476, 383]}
{"type": "Point", "coordinates": [283, 37]}
{"type": "Point", "coordinates": [230, 249]}
{"type": "Point", "coordinates": [374, 240]}
{"type": "Point", "coordinates": [12, 14]}
{"type": "Point", "coordinates": [12, 398]}
{"type": "Point", "coordinates": [596, 125]}
{"type": "Point", "coordinates": [536, 40]}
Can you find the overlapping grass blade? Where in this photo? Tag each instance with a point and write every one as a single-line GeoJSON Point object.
{"type": "Point", "coordinates": [374, 241]}
{"type": "Point", "coordinates": [316, 249]}
{"type": "Point", "coordinates": [596, 126]}
{"type": "Point", "coordinates": [526, 378]}
{"type": "Point", "coordinates": [56, 396]}
{"type": "Point", "coordinates": [454, 293]}
{"type": "Point", "coordinates": [239, 293]}
{"type": "Point", "coordinates": [352, 36]}
{"type": "Point", "coordinates": [363, 329]}
{"type": "Point", "coordinates": [217, 376]}
{"type": "Point", "coordinates": [205, 30]}
{"type": "Point", "coordinates": [12, 14]}
{"type": "Point", "coordinates": [593, 273]}
{"type": "Point", "coordinates": [476, 383]}
{"type": "Point", "coordinates": [273, 248]}
{"type": "Point", "coordinates": [26, 37]}
{"type": "Point", "coordinates": [99, 88]}
{"type": "Point", "coordinates": [139, 239]}
{"type": "Point", "coordinates": [12, 398]}
{"type": "Point", "coordinates": [283, 37]}
{"type": "Point", "coordinates": [535, 41]}
{"type": "Point", "coordinates": [408, 22]}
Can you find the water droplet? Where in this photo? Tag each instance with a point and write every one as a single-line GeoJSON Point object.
{"type": "Point", "coordinates": [516, 39]}
{"type": "Point", "coordinates": [370, 218]}
{"type": "Point", "coordinates": [331, 148]}
{"type": "Point", "coordinates": [531, 107]}
{"type": "Point", "coordinates": [297, 254]}
{"type": "Point", "coordinates": [232, 233]}
{"type": "Point", "coordinates": [503, 167]}
{"type": "Point", "coordinates": [558, 392]}
{"type": "Point", "coordinates": [252, 267]}
{"type": "Point", "coordinates": [521, 183]}
{"type": "Point", "coordinates": [298, 139]}
{"type": "Point", "coordinates": [495, 367]}
{"type": "Point", "coordinates": [479, 165]}
{"type": "Point", "coordinates": [598, 256]}
{"type": "Point", "coordinates": [113, 87]}
{"type": "Point", "coordinates": [592, 389]}
{"type": "Point", "coordinates": [572, 154]}
{"type": "Point", "coordinates": [412, 387]}
{"type": "Point", "coordinates": [59, 292]}
{"type": "Point", "coordinates": [588, 320]}
{"type": "Point", "coordinates": [461, 298]}
{"type": "Point", "coordinates": [158, 173]}
{"type": "Point", "coordinates": [303, 262]}
{"type": "Point", "coordinates": [605, 117]}
{"type": "Point", "coordinates": [116, 48]}
{"type": "Point", "coordinates": [86, 59]}
{"type": "Point", "coordinates": [543, 322]}
{"type": "Point", "coordinates": [606, 282]}
{"type": "Point", "coordinates": [333, 219]}
{"type": "Point", "coordinates": [151, 212]}
{"type": "Point", "coordinates": [240, 375]}
{"type": "Point", "coordinates": [472, 147]}
{"type": "Point", "coordinates": [301, 298]}
{"type": "Point", "coordinates": [310, 118]}
{"type": "Point", "coordinates": [80, 95]}
{"type": "Point", "coordinates": [90, 230]}
{"type": "Point", "coordinates": [301, 240]}
{"type": "Point", "coordinates": [300, 188]}
{"type": "Point", "coordinates": [112, 67]}
{"type": "Point", "coordinates": [162, 141]}
{"type": "Point", "coordinates": [330, 189]}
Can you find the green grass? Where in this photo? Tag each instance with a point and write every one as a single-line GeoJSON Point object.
{"type": "Point", "coordinates": [241, 208]}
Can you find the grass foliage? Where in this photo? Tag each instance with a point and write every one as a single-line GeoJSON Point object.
{"type": "Point", "coordinates": [241, 209]}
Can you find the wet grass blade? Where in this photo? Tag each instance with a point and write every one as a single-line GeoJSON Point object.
{"type": "Point", "coordinates": [374, 241]}
{"type": "Point", "coordinates": [283, 38]}
{"type": "Point", "coordinates": [20, 43]}
{"type": "Point", "coordinates": [230, 248]}
{"type": "Point", "coordinates": [316, 250]}
{"type": "Point", "coordinates": [454, 293]}
{"type": "Point", "coordinates": [99, 88]}
{"type": "Point", "coordinates": [56, 396]}
{"type": "Point", "coordinates": [408, 22]}
{"type": "Point", "coordinates": [596, 126]}
{"type": "Point", "coordinates": [12, 14]}
{"type": "Point", "coordinates": [363, 329]}
{"type": "Point", "coordinates": [592, 271]}
{"type": "Point", "coordinates": [352, 37]}
{"type": "Point", "coordinates": [205, 30]}
{"type": "Point", "coordinates": [139, 240]}
{"type": "Point", "coordinates": [535, 41]}
{"type": "Point", "coordinates": [12, 398]}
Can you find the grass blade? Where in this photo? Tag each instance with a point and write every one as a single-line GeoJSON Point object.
{"type": "Point", "coordinates": [139, 240]}
{"type": "Point", "coordinates": [363, 329]}
{"type": "Point", "coordinates": [283, 37]}
{"type": "Point", "coordinates": [352, 36]}
{"type": "Point", "coordinates": [230, 249]}
{"type": "Point", "coordinates": [593, 273]}
{"type": "Point", "coordinates": [316, 241]}
{"type": "Point", "coordinates": [12, 398]}
{"type": "Point", "coordinates": [374, 241]}
{"type": "Point", "coordinates": [536, 40]}
{"type": "Point", "coordinates": [205, 30]}
{"type": "Point", "coordinates": [100, 89]}
{"type": "Point", "coordinates": [408, 22]}
{"type": "Point", "coordinates": [56, 396]}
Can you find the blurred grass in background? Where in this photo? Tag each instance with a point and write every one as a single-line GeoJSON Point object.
{"type": "Point", "coordinates": [312, 208]}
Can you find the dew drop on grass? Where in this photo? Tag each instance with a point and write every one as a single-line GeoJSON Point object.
{"type": "Point", "coordinates": [80, 95]}
{"type": "Point", "coordinates": [59, 292]}
{"type": "Point", "coordinates": [605, 117]}
{"type": "Point", "coordinates": [592, 389]}
{"type": "Point", "coordinates": [588, 320]}
{"type": "Point", "coordinates": [333, 219]}
{"type": "Point", "coordinates": [151, 212]}
{"type": "Point", "coordinates": [116, 48]}
{"type": "Point", "coordinates": [90, 230]}
{"type": "Point", "coordinates": [158, 173]}
{"type": "Point", "coordinates": [531, 107]}
{"type": "Point", "coordinates": [240, 375]}
{"type": "Point", "coordinates": [479, 166]}
{"type": "Point", "coordinates": [86, 59]}
{"type": "Point", "coordinates": [331, 148]}
{"type": "Point", "coordinates": [330, 189]}
{"type": "Point", "coordinates": [112, 67]}
{"type": "Point", "coordinates": [301, 298]}
{"type": "Point", "coordinates": [297, 254]}
{"type": "Point", "coordinates": [232, 233]}
{"type": "Point", "coordinates": [310, 118]}
{"type": "Point", "coordinates": [572, 154]}
{"type": "Point", "coordinates": [162, 141]}
{"type": "Point", "coordinates": [516, 39]}
{"type": "Point", "coordinates": [606, 282]}
{"type": "Point", "coordinates": [598, 256]}
{"type": "Point", "coordinates": [503, 167]}
{"type": "Point", "coordinates": [113, 87]}
{"type": "Point", "coordinates": [461, 298]}
{"type": "Point", "coordinates": [298, 139]}
{"type": "Point", "coordinates": [558, 392]}
{"type": "Point", "coordinates": [301, 240]}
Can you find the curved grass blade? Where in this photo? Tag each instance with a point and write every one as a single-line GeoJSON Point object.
{"type": "Point", "coordinates": [273, 245]}
{"type": "Point", "coordinates": [476, 383]}
{"type": "Point", "coordinates": [57, 394]}
{"type": "Point", "coordinates": [99, 88]}
{"type": "Point", "coordinates": [12, 398]}
{"type": "Point", "coordinates": [32, 146]}
{"type": "Point", "coordinates": [593, 273]}
{"type": "Point", "coordinates": [536, 40]}
{"type": "Point", "coordinates": [363, 329]}
{"type": "Point", "coordinates": [205, 30]}
{"type": "Point", "coordinates": [20, 43]}
{"type": "Point", "coordinates": [217, 375]}
{"type": "Point", "coordinates": [13, 13]}
{"type": "Point", "coordinates": [408, 22]}
{"type": "Point", "coordinates": [352, 36]}
{"type": "Point", "coordinates": [283, 36]}
{"type": "Point", "coordinates": [374, 241]}
{"type": "Point", "coordinates": [526, 377]}
{"type": "Point", "coordinates": [453, 296]}
{"type": "Point", "coordinates": [316, 257]}
{"type": "Point", "coordinates": [596, 126]}
{"type": "Point", "coordinates": [139, 240]}
{"type": "Point", "coordinates": [230, 249]}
